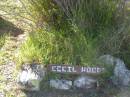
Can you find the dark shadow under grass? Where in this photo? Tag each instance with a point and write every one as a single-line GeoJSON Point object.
{"type": "Point", "coordinates": [7, 27]}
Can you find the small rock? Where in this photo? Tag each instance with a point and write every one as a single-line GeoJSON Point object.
{"type": "Point", "coordinates": [85, 82]}
{"type": "Point", "coordinates": [61, 84]}
{"type": "Point", "coordinates": [31, 76]}
{"type": "Point", "coordinates": [24, 77]}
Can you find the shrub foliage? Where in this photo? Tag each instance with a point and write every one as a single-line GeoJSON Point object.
{"type": "Point", "coordinates": [75, 31]}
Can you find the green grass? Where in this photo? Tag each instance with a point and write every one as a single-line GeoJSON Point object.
{"type": "Point", "coordinates": [2, 40]}
{"type": "Point", "coordinates": [51, 47]}
{"type": "Point", "coordinates": [92, 24]}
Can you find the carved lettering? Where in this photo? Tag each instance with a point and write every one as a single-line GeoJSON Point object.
{"type": "Point", "coordinates": [75, 69]}
{"type": "Point", "coordinates": [70, 69]}
{"type": "Point", "coordinates": [63, 68]}
{"type": "Point", "coordinates": [58, 68]}
{"type": "Point", "coordinates": [53, 68]}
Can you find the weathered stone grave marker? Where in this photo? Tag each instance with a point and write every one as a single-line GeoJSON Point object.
{"type": "Point", "coordinates": [79, 82]}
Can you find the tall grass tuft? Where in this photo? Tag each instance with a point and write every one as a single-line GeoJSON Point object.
{"type": "Point", "coordinates": [44, 13]}
{"type": "Point", "coordinates": [85, 29]}
{"type": "Point", "coordinates": [46, 47]}
{"type": "Point", "coordinates": [93, 16]}
{"type": "Point", "coordinates": [51, 47]}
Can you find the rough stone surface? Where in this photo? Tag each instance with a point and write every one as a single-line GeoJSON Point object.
{"type": "Point", "coordinates": [121, 73]}
{"type": "Point", "coordinates": [107, 59]}
{"type": "Point", "coordinates": [124, 92]}
{"type": "Point", "coordinates": [85, 82]}
{"type": "Point", "coordinates": [61, 84]}
{"type": "Point", "coordinates": [31, 76]}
